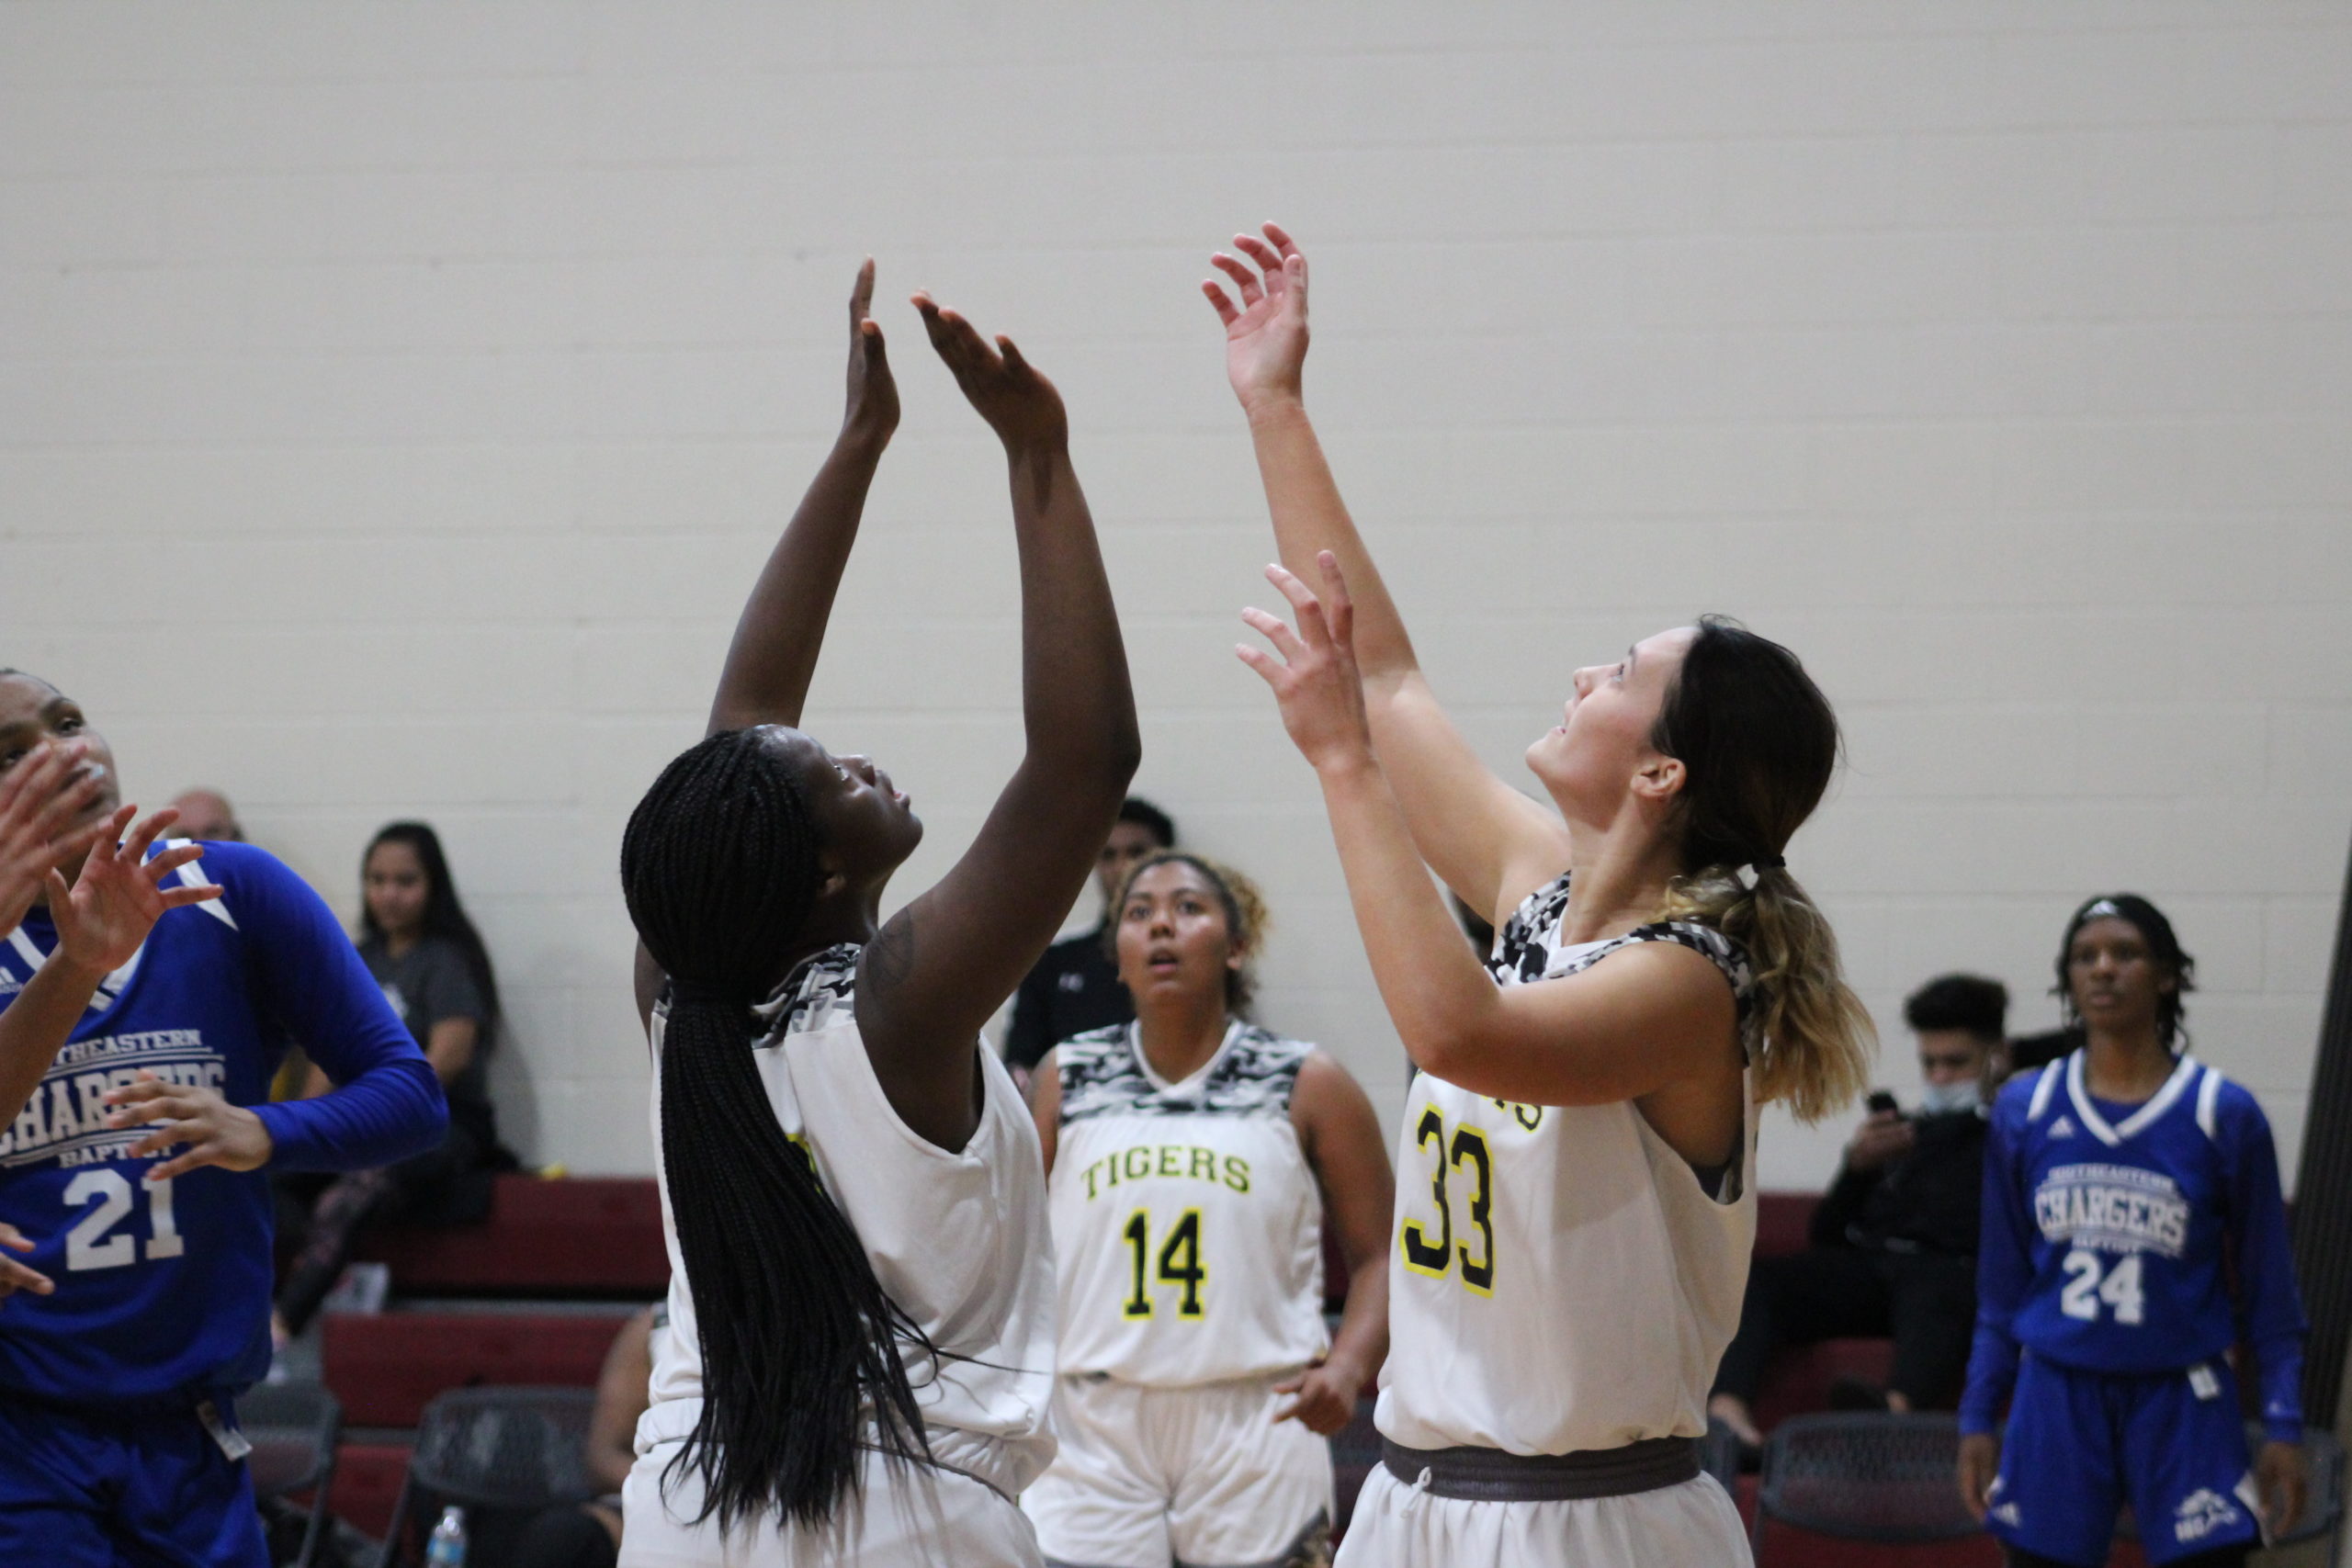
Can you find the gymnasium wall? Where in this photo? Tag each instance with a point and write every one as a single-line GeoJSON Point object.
{"type": "Point", "coordinates": [395, 402]}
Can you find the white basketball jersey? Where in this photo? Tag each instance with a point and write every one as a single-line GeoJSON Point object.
{"type": "Point", "coordinates": [1561, 1281]}
{"type": "Point", "coordinates": [959, 1241]}
{"type": "Point", "coordinates": [1187, 1221]}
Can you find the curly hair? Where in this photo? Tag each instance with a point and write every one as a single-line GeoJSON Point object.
{"type": "Point", "coordinates": [1246, 918]}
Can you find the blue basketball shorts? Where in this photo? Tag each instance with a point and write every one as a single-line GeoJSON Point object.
{"type": "Point", "coordinates": [2081, 1444]}
{"type": "Point", "coordinates": [149, 1491]}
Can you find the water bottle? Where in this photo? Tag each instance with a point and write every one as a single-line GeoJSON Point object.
{"type": "Point", "coordinates": [447, 1546]}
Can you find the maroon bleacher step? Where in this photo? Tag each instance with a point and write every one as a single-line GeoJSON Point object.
{"type": "Point", "coordinates": [386, 1367]}
{"type": "Point", "coordinates": [565, 1236]}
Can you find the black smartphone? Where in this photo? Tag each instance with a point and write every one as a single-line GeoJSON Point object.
{"type": "Point", "coordinates": [1881, 1101]}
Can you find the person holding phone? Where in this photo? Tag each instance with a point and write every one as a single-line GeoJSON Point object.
{"type": "Point", "coordinates": [1892, 1249]}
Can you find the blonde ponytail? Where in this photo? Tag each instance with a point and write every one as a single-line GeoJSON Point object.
{"type": "Point", "coordinates": [1760, 744]}
{"type": "Point", "coordinates": [1813, 1039]}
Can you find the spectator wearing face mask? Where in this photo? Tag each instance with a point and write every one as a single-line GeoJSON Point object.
{"type": "Point", "coordinates": [1894, 1243]}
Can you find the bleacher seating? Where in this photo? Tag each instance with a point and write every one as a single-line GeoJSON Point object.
{"type": "Point", "coordinates": [599, 1240]}
{"type": "Point", "coordinates": [386, 1367]}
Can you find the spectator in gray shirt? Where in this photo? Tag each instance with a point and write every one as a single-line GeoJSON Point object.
{"type": "Point", "coordinates": [417, 941]}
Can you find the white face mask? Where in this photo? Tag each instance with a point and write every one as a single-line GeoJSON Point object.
{"type": "Point", "coordinates": [1944, 1099]}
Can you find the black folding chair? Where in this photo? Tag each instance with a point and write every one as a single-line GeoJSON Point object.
{"type": "Point", "coordinates": [1864, 1476]}
{"type": "Point", "coordinates": [1719, 1454]}
{"type": "Point", "coordinates": [294, 1427]}
{"type": "Point", "coordinates": [501, 1454]}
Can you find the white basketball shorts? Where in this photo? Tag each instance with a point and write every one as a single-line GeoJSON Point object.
{"type": "Point", "coordinates": [916, 1517]}
{"type": "Point", "coordinates": [1693, 1525]}
{"type": "Point", "coordinates": [1203, 1477]}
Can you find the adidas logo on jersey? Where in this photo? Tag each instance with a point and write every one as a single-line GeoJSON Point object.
{"type": "Point", "coordinates": [2062, 1128]}
{"type": "Point", "coordinates": [9, 983]}
{"type": "Point", "coordinates": [2201, 1513]}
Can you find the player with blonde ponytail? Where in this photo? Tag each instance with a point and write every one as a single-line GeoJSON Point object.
{"type": "Point", "coordinates": [1575, 1203]}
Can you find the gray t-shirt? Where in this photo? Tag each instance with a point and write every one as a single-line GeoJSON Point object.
{"type": "Point", "coordinates": [428, 985]}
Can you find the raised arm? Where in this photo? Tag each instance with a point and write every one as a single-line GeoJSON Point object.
{"type": "Point", "coordinates": [1653, 1024]}
{"type": "Point", "coordinates": [1490, 843]}
{"type": "Point", "coordinates": [765, 680]}
{"type": "Point", "coordinates": [774, 654]}
{"type": "Point", "coordinates": [942, 965]}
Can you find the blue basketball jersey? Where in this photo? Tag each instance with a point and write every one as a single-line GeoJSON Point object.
{"type": "Point", "coordinates": [164, 1288]}
{"type": "Point", "coordinates": [2109, 1233]}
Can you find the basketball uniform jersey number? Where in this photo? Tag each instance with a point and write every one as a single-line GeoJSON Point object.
{"type": "Point", "coordinates": [1187, 1225]}
{"type": "Point", "coordinates": [1464, 1152]}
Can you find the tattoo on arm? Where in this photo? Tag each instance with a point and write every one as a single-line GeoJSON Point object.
{"type": "Point", "coordinates": [890, 956]}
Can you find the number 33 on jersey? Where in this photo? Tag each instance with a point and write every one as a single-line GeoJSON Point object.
{"type": "Point", "coordinates": [1461, 1164]}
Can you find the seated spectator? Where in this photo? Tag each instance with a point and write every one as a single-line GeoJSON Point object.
{"type": "Point", "coordinates": [1074, 986]}
{"type": "Point", "coordinates": [588, 1535]}
{"type": "Point", "coordinates": [207, 814]}
{"type": "Point", "coordinates": [424, 953]}
{"type": "Point", "coordinates": [1894, 1244]}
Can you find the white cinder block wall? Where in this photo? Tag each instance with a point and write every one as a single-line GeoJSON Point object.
{"type": "Point", "coordinates": [395, 402]}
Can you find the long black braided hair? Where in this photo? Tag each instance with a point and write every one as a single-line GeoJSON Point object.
{"type": "Point", "coordinates": [800, 1343]}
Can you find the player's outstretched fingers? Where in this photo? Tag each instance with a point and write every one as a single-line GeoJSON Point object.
{"type": "Point", "coordinates": [861, 295]}
{"type": "Point", "coordinates": [1276, 630]}
{"type": "Point", "coordinates": [133, 850]}
{"type": "Point", "coordinates": [1269, 261]}
{"type": "Point", "coordinates": [1245, 278]}
{"type": "Point", "coordinates": [216, 1132]}
{"type": "Point", "coordinates": [1314, 629]}
{"type": "Point", "coordinates": [1223, 307]}
{"type": "Point", "coordinates": [14, 1276]}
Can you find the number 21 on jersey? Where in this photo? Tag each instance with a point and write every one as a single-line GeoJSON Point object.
{"type": "Point", "coordinates": [89, 1245]}
{"type": "Point", "coordinates": [1467, 1155]}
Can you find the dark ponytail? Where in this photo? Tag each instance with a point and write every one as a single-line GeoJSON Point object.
{"type": "Point", "coordinates": [799, 1341]}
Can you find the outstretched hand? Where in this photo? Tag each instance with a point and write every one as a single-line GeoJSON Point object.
{"type": "Point", "coordinates": [872, 411]}
{"type": "Point", "coordinates": [119, 895]}
{"type": "Point", "coordinates": [215, 1131]}
{"type": "Point", "coordinates": [39, 804]}
{"type": "Point", "coordinates": [1019, 404]}
{"type": "Point", "coordinates": [1314, 680]}
{"type": "Point", "coordinates": [14, 1276]}
{"type": "Point", "coordinates": [1265, 335]}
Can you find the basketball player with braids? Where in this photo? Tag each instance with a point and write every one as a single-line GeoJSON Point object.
{"type": "Point", "coordinates": [1194, 1159]}
{"type": "Point", "coordinates": [2132, 1233]}
{"type": "Point", "coordinates": [859, 1365]}
{"type": "Point", "coordinates": [1576, 1202]}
